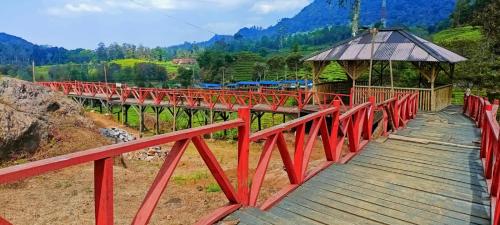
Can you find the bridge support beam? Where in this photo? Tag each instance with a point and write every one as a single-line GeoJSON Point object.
{"type": "Point", "coordinates": [259, 115]}
{"type": "Point", "coordinates": [124, 112]}
{"type": "Point", "coordinates": [158, 110]}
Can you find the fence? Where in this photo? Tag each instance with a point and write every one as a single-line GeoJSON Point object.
{"type": "Point", "coordinates": [484, 114]}
{"type": "Point", "coordinates": [352, 129]}
{"type": "Point", "coordinates": [443, 95]}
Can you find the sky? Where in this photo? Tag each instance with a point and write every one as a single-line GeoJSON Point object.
{"type": "Point", "coordinates": [84, 23]}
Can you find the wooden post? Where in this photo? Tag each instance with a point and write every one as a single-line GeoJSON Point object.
{"type": "Point", "coordinates": [103, 191]}
{"type": "Point", "coordinates": [243, 154]}
{"type": "Point", "coordinates": [392, 77]}
{"type": "Point", "coordinates": [157, 112]}
{"type": "Point", "coordinates": [174, 121]}
{"type": "Point", "coordinates": [33, 66]}
{"type": "Point", "coordinates": [211, 121]}
{"type": "Point", "coordinates": [125, 116]}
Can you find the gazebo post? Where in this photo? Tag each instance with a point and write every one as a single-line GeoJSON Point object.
{"type": "Point", "coordinates": [392, 77]}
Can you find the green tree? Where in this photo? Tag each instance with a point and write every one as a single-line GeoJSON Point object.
{"type": "Point", "coordinates": [185, 76]}
{"type": "Point", "coordinates": [101, 52]}
{"type": "Point", "coordinates": [276, 66]}
{"type": "Point", "coordinates": [259, 71]}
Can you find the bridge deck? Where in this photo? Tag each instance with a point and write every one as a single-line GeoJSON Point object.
{"type": "Point", "coordinates": [430, 173]}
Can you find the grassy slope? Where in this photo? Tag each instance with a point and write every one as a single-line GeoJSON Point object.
{"type": "Point", "coordinates": [458, 34]}
{"type": "Point", "coordinates": [171, 68]}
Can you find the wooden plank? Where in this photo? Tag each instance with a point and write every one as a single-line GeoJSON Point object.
{"type": "Point", "coordinates": [292, 217]}
{"type": "Point", "coordinates": [366, 193]}
{"type": "Point", "coordinates": [465, 169]}
{"type": "Point", "coordinates": [368, 155]}
{"type": "Point", "coordinates": [249, 219]}
{"type": "Point", "coordinates": [439, 147]}
{"type": "Point", "coordinates": [305, 213]}
{"type": "Point", "coordinates": [427, 141]}
{"type": "Point", "coordinates": [465, 207]}
{"type": "Point", "coordinates": [267, 216]}
{"type": "Point", "coordinates": [341, 216]}
{"type": "Point", "coordinates": [476, 181]}
{"type": "Point", "coordinates": [444, 190]}
{"type": "Point", "coordinates": [436, 154]}
{"type": "Point", "coordinates": [361, 208]}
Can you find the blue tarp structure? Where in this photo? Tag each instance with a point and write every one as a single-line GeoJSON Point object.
{"type": "Point", "coordinates": [232, 85]}
{"type": "Point", "coordinates": [301, 82]}
{"type": "Point", "coordinates": [248, 83]}
{"type": "Point", "coordinates": [269, 83]}
{"type": "Point", "coordinates": [210, 86]}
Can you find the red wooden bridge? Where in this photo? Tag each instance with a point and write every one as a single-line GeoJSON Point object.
{"type": "Point", "coordinates": [425, 169]}
{"type": "Point", "coordinates": [269, 100]}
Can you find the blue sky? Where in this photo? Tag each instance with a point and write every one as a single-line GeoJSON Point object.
{"type": "Point", "coordinates": [84, 23]}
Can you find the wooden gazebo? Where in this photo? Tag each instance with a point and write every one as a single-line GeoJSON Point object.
{"type": "Point", "coordinates": [358, 54]}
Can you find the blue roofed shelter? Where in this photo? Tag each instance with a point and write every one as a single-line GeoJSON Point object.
{"type": "Point", "coordinates": [358, 54]}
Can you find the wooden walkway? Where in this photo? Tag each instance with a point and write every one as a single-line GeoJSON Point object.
{"type": "Point", "coordinates": [429, 173]}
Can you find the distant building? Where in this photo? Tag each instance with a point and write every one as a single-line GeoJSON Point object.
{"type": "Point", "coordinates": [184, 61]}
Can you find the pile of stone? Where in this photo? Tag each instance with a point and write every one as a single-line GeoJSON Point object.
{"type": "Point", "coordinates": [150, 154]}
{"type": "Point", "coordinates": [121, 136]}
{"type": "Point", "coordinates": [117, 135]}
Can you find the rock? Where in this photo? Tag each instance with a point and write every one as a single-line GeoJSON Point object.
{"type": "Point", "coordinates": [174, 201]}
{"type": "Point", "coordinates": [30, 115]}
{"type": "Point", "coordinates": [199, 188]}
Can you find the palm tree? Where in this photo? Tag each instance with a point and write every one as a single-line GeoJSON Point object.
{"type": "Point", "coordinates": [356, 8]}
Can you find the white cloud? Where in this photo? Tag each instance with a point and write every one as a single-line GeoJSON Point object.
{"type": "Point", "coordinates": [268, 6]}
{"type": "Point", "coordinates": [112, 6]}
{"type": "Point", "coordinates": [75, 8]}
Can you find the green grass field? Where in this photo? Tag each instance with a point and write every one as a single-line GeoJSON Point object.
{"type": "Point", "coordinates": [124, 63]}
{"type": "Point", "coordinates": [467, 33]}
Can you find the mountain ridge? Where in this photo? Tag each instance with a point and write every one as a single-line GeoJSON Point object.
{"type": "Point", "coordinates": [319, 14]}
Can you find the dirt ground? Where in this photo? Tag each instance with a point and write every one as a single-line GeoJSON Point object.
{"type": "Point", "coordinates": [66, 196]}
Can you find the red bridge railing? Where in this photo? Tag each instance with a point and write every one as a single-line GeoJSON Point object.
{"type": "Point", "coordinates": [485, 115]}
{"type": "Point", "coordinates": [335, 128]}
{"type": "Point", "coordinates": [196, 97]}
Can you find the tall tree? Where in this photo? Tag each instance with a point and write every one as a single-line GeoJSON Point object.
{"type": "Point", "coordinates": [101, 52]}
{"type": "Point", "coordinates": [355, 11]}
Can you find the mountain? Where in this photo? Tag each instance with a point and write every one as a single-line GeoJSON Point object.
{"type": "Point", "coordinates": [172, 50]}
{"type": "Point", "coordinates": [14, 49]}
{"type": "Point", "coordinates": [17, 51]}
{"type": "Point", "coordinates": [319, 14]}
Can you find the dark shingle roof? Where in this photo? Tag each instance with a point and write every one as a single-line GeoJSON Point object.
{"type": "Point", "coordinates": [390, 44]}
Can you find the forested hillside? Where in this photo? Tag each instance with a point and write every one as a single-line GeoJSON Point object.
{"type": "Point", "coordinates": [407, 13]}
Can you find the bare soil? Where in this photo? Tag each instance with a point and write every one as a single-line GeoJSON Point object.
{"type": "Point", "coordinates": [66, 196]}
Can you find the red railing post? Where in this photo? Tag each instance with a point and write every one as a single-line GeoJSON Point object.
{"type": "Point", "coordinates": [103, 191]}
{"type": "Point", "coordinates": [243, 155]}
{"type": "Point", "coordinates": [486, 141]}
{"type": "Point", "coordinates": [369, 118]}
{"type": "Point", "coordinates": [334, 132]}
{"type": "Point", "coordinates": [395, 113]}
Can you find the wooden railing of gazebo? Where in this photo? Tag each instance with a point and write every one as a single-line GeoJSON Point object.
{"type": "Point", "coordinates": [428, 100]}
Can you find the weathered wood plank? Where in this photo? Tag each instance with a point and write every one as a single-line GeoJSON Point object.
{"type": "Point", "coordinates": [425, 198]}
{"type": "Point", "coordinates": [292, 217]}
{"type": "Point", "coordinates": [360, 207]}
{"type": "Point", "coordinates": [443, 189]}
{"type": "Point", "coordinates": [472, 180]}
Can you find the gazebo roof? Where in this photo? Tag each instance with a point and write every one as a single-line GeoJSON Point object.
{"type": "Point", "coordinates": [390, 45]}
